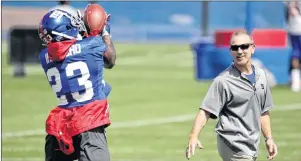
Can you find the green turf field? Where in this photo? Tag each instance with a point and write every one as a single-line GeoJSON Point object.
{"type": "Point", "coordinates": [153, 103]}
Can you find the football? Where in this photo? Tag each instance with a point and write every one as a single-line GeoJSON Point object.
{"type": "Point", "coordinates": [95, 19]}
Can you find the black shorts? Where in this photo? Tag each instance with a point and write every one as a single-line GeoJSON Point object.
{"type": "Point", "coordinates": [89, 146]}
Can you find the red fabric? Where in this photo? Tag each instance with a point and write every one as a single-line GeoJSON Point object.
{"type": "Point", "coordinates": [263, 38]}
{"type": "Point", "coordinates": [270, 38]}
{"type": "Point", "coordinates": [64, 123]}
{"type": "Point", "coordinates": [57, 51]}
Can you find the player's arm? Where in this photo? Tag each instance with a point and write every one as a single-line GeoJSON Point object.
{"type": "Point", "coordinates": [110, 53]}
{"type": "Point", "coordinates": [292, 8]}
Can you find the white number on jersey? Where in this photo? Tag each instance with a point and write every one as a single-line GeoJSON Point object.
{"type": "Point", "coordinates": [82, 81]}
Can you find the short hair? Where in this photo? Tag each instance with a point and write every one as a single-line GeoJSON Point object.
{"type": "Point", "coordinates": [64, 2]}
{"type": "Point", "coordinates": [241, 32]}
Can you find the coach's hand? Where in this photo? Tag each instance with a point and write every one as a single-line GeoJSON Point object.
{"type": "Point", "coordinates": [272, 148]}
{"type": "Point", "coordinates": [193, 142]}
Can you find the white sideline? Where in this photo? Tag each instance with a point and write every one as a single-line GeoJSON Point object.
{"type": "Point", "coordinates": [139, 123]}
{"type": "Point", "coordinates": [186, 58]}
{"type": "Point", "coordinates": [41, 159]}
{"type": "Point", "coordinates": [22, 159]}
{"type": "Point", "coordinates": [128, 124]}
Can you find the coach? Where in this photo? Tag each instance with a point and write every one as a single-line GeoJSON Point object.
{"type": "Point", "coordinates": [241, 98]}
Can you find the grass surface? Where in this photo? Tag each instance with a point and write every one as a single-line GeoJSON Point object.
{"type": "Point", "coordinates": [150, 82]}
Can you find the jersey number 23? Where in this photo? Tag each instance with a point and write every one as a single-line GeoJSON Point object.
{"type": "Point", "coordinates": [82, 81]}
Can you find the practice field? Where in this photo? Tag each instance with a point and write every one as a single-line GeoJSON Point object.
{"type": "Point", "coordinates": [153, 103]}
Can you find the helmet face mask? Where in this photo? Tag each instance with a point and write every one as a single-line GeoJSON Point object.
{"type": "Point", "coordinates": [77, 21]}
{"type": "Point", "coordinates": [58, 25]}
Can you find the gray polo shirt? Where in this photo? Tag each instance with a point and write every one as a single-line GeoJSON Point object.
{"type": "Point", "coordinates": [239, 104]}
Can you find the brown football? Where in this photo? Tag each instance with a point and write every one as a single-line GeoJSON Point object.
{"type": "Point", "coordinates": [95, 18]}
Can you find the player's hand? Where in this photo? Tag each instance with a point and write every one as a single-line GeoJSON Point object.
{"type": "Point", "coordinates": [294, 12]}
{"type": "Point", "coordinates": [108, 25]}
{"type": "Point", "coordinates": [190, 149]}
{"type": "Point", "coordinates": [271, 148]}
{"type": "Point", "coordinates": [107, 28]}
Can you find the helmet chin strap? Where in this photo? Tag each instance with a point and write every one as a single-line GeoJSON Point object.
{"type": "Point", "coordinates": [79, 37]}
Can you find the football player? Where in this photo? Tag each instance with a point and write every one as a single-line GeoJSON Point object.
{"type": "Point", "coordinates": [74, 68]}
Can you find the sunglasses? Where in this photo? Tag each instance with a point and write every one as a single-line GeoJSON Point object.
{"type": "Point", "coordinates": [242, 47]}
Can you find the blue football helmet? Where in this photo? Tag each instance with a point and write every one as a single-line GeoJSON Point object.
{"type": "Point", "coordinates": [58, 25]}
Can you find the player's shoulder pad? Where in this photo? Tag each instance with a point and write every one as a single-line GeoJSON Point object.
{"type": "Point", "coordinates": [94, 42]}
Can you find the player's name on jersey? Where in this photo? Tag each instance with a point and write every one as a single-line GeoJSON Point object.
{"type": "Point", "coordinates": [73, 50]}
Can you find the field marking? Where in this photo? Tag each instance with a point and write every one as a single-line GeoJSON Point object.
{"type": "Point", "coordinates": [129, 124]}
{"type": "Point", "coordinates": [22, 159]}
{"type": "Point", "coordinates": [181, 59]}
{"type": "Point", "coordinates": [120, 159]}
{"type": "Point", "coordinates": [139, 123]}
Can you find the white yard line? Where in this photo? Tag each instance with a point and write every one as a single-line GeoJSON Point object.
{"type": "Point", "coordinates": [23, 149]}
{"type": "Point", "coordinates": [129, 124]}
{"type": "Point", "coordinates": [22, 159]}
{"type": "Point", "coordinates": [118, 159]}
{"type": "Point", "coordinates": [139, 123]}
{"type": "Point", "coordinates": [184, 59]}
